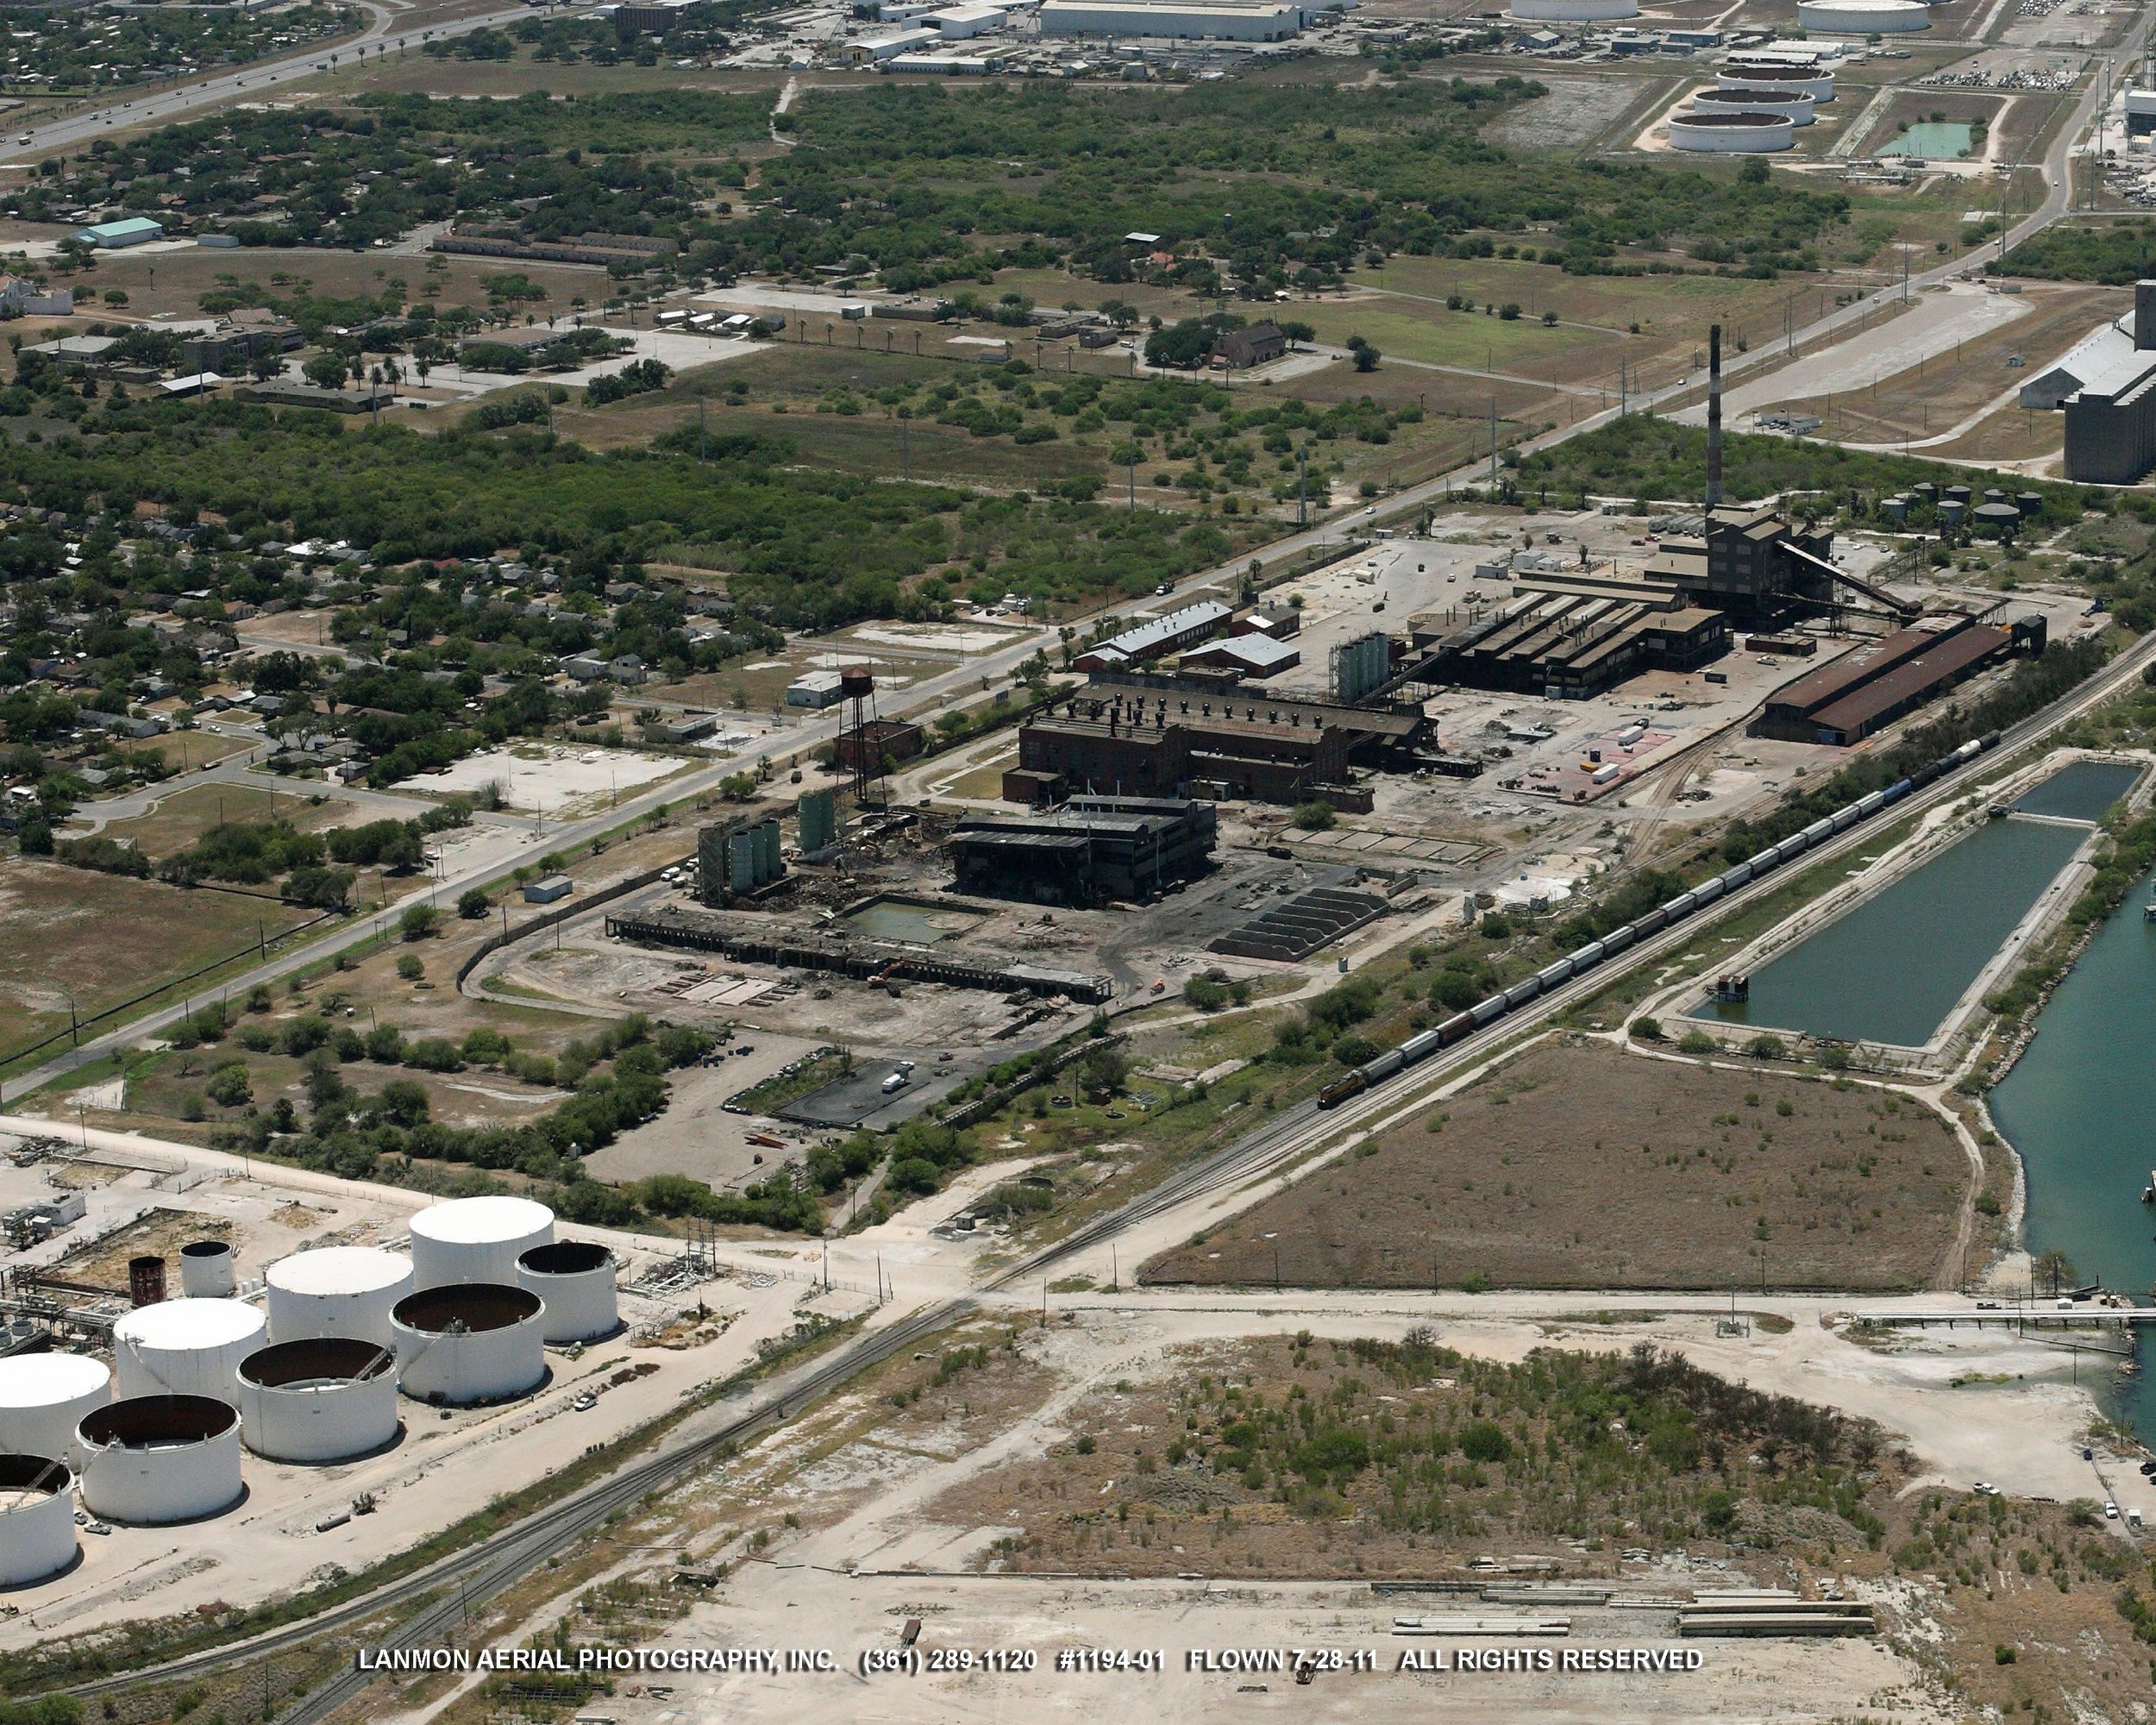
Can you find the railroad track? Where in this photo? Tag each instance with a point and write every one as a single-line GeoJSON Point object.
{"type": "Point", "coordinates": [487, 1569]}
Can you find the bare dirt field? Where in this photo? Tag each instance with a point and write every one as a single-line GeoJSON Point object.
{"type": "Point", "coordinates": [1583, 1166]}
{"type": "Point", "coordinates": [98, 940]}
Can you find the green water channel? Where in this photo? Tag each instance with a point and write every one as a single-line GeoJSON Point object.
{"type": "Point", "coordinates": [909, 923]}
{"type": "Point", "coordinates": [2080, 1107]}
{"type": "Point", "coordinates": [1891, 970]}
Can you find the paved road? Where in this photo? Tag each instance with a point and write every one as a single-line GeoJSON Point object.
{"type": "Point", "coordinates": [388, 27]}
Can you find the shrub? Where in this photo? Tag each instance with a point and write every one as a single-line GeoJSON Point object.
{"type": "Point", "coordinates": [1647, 1029]}
{"type": "Point", "coordinates": [1485, 1442]}
{"type": "Point", "coordinates": [228, 1086]}
{"type": "Point", "coordinates": [1315, 817]}
{"type": "Point", "coordinates": [1696, 1042]}
{"type": "Point", "coordinates": [418, 922]}
{"type": "Point", "coordinates": [1206, 996]}
{"type": "Point", "coordinates": [471, 903]}
{"type": "Point", "coordinates": [410, 966]}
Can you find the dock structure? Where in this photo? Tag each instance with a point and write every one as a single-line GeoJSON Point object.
{"type": "Point", "coordinates": [2016, 1317]}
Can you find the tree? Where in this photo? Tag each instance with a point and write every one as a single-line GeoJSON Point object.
{"type": "Point", "coordinates": [36, 837]}
{"type": "Point", "coordinates": [1314, 817]}
{"type": "Point", "coordinates": [228, 1086]}
{"type": "Point", "coordinates": [1104, 1071]}
{"type": "Point", "coordinates": [328, 889]}
{"type": "Point", "coordinates": [403, 1100]}
{"type": "Point", "coordinates": [325, 370]}
{"type": "Point", "coordinates": [418, 922]}
{"type": "Point", "coordinates": [410, 966]}
{"type": "Point", "coordinates": [1183, 344]}
{"type": "Point", "coordinates": [471, 902]}
{"type": "Point", "coordinates": [1366, 355]}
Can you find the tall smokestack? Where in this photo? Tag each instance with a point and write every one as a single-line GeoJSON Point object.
{"type": "Point", "coordinates": [1715, 417]}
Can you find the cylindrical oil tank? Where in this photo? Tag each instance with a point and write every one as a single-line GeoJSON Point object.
{"type": "Point", "coordinates": [146, 1280]}
{"type": "Point", "coordinates": [1807, 80]}
{"type": "Point", "coordinates": [326, 1398]}
{"type": "Point", "coordinates": [208, 1270]}
{"type": "Point", "coordinates": [37, 1518]}
{"type": "Point", "coordinates": [158, 1458]}
{"type": "Point", "coordinates": [477, 1341]}
{"type": "Point", "coordinates": [576, 1278]}
{"type": "Point", "coordinates": [476, 1239]}
{"type": "Point", "coordinates": [1794, 103]}
{"type": "Point", "coordinates": [1742, 133]}
{"type": "Point", "coordinates": [1863, 17]}
{"type": "Point", "coordinates": [43, 1398]}
{"type": "Point", "coordinates": [186, 1347]}
{"type": "Point", "coordinates": [337, 1290]}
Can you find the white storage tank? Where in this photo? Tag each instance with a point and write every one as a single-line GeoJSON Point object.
{"type": "Point", "coordinates": [476, 1239]}
{"type": "Point", "coordinates": [208, 1270]}
{"type": "Point", "coordinates": [576, 1278]}
{"type": "Point", "coordinates": [155, 1459]}
{"type": "Point", "coordinates": [37, 1518]}
{"type": "Point", "coordinates": [186, 1347]}
{"type": "Point", "coordinates": [1794, 103]}
{"type": "Point", "coordinates": [1803, 80]}
{"type": "Point", "coordinates": [326, 1398]}
{"type": "Point", "coordinates": [1863, 17]}
{"type": "Point", "coordinates": [43, 1398]}
{"type": "Point", "coordinates": [478, 1341]}
{"type": "Point", "coordinates": [1739, 133]}
{"type": "Point", "coordinates": [337, 1290]}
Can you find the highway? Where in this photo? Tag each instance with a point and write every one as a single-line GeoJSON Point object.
{"type": "Point", "coordinates": [452, 1586]}
{"type": "Point", "coordinates": [457, 1583]}
{"type": "Point", "coordinates": [388, 27]}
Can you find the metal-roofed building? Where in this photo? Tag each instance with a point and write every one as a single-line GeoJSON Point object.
{"type": "Point", "coordinates": [1168, 633]}
{"type": "Point", "coordinates": [1263, 20]}
{"type": "Point", "coordinates": [1864, 691]}
{"type": "Point", "coordinates": [132, 231]}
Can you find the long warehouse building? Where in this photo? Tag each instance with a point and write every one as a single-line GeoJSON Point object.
{"type": "Point", "coordinates": [1866, 691]}
{"type": "Point", "coordinates": [1211, 20]}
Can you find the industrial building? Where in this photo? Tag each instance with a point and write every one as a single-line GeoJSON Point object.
{"type": "Point", "coordinates": [877, 741]}
{"type": "Point", "coordinates": [1260, 21]}
{"type": "Point", "coordinates": [1574, 638]}
{"type": "Point", "coordinates": [1868, 689]}
{"type": "Point", "coordinates": [1170, 740]}
{"type": "Point", "coordinates": [1088, 850]}
{"type": "Point", "coordinates": [2107, 387]}
{"type": "Point", "coordinates": [1251, 656]}
{"type": "Point", "coordinates": [1170, 633]}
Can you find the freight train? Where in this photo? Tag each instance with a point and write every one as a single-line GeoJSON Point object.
{"type": "Point", "coordinates": [1485, 1013]}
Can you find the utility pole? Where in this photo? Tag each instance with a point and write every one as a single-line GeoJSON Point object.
{"type": "Point", "coordinates": [1493, 442]}
{"type": "Point", "coordinates": [1302, 463]}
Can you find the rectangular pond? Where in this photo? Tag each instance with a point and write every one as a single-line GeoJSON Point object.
{"type": "Point", "coordinates": [910, 922]}
{"type": "Point", "coordinates": [1933, 141]}
{"type": "Point", "coordinates": [1891, 970]}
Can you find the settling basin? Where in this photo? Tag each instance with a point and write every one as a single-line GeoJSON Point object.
{"type": "Point", "coordinates": [2080, 792]}
{"type": "Point", "coordinates": [1892, 968]}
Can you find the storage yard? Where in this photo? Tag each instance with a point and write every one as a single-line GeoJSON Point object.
{"type": "Point", "coordinates": [298, 1401]}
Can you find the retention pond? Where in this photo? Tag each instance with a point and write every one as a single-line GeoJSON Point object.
{"type": "Point", "coordinates": [1891, 970]}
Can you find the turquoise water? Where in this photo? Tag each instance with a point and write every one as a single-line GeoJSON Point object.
{"type": "Point", "coordinates": [2080, 1107]}
{"type": "Point", "coordinates": [2081, 791]}
{"type": "Point", "coordinates": [1940, 141]}
{"type": "Point", "coordinates": [1892, 968]}
{"type": "Point", "coordinates": [913, 925]}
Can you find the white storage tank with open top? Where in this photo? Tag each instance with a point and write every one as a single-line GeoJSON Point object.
{"type": "Point", "coordinates": [326, 1398]}
{"type": "Point", "coordinates": [337, 1290]}
{"type": "Point", "coordinates": [43, 1398]}
{"type": "Point", "coordinates": [470, 1342]}
{"type": "Point", "coordinates": [576, 1280]}
{"type": "Point", "coordinates": [476, 1239]}
{"type": "Point", "coordinates": [209, 1269]}
{"type": "Point", "coordinates": [186, 1347]}
{"type": "Point", "coordinates": [37, 1518]}
{"type": "Point", "coordinates": [155, 1459]}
